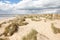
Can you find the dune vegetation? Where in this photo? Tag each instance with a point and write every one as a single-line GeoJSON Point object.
{"type": "Point", "coordinates": [31, 36]}
{"type": "Point", "coordinates": [55, 30]}
{"type": "Point", "coordinates": [37, 21]}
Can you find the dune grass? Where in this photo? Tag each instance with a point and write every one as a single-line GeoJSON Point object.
{"type": "Point", "coordinates": [4, 38]}
{"type": "Point", "coordinates": [10, 30]}
{"type": "Point", "coordinates": [55, 30]}
{"type": "Point", "coordinates": [31, 35]}
{"type": "Point", "coordinates": [19, 21]}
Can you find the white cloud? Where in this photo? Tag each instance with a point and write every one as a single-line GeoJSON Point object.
{"type": "Point", "coordinates": [48, 6]}
{"type": "Point", "coordinates": [38, 3]}
{"type": "Point", "coordinates": [5, 6]}
{"type": "Point", "coordinates": [45, 6]}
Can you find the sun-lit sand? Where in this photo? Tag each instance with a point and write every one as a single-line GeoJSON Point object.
{"type": "Point", "coordinates": [41, 24]}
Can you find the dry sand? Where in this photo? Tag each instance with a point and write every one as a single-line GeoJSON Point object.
{"type": "Point", "coordinates": [41, 27]}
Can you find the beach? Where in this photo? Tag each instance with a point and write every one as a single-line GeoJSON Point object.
{"type": "Point", "coordinates": [44, 26]}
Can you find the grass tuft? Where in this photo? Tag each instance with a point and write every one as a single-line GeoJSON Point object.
{"type": "Point", "coordinates": [31, 35]}
{"type": "Point", "coordinates": [55, 30]}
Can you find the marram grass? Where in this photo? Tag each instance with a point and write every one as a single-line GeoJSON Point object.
{"type": "Point", "coordinates": [31, 36]}
{"type": "Point", "coordinates": [55, 30]}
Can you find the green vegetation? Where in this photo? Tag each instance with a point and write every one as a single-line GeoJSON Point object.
{"type": "Point", "coordinates": [55, 30]}
{"type": "Point", "coordinates": [56, 16]}
{"type": "Point", "coordinates": [48, 16]}
{"type": "Point", "coordinates": [36, 19]}
{"type": "Point", "coordinates": [10, 30]}
{"type": "Point", "coordinates": [2, 23]}
{"type": "Point", "coordinates": [31, 36]}
{"type": "Point", "coordinates": [22, 24]}
{"type": "Point", "coordinates": [19, 21]}
{"type": "Point", "coordinates": [4, 38]}
{"type": "Point", "coordinates": [1, 39]}
{"type": "Point", "coordinates": [13, 26]}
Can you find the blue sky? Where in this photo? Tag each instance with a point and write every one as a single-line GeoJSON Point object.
{"type": "Point", "coordinates": [11, 1]}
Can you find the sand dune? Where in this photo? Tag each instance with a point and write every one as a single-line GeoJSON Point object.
{"type": "Point", "coordinates": [33, 27]}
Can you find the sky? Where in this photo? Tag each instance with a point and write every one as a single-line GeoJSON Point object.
{"type": "Point", "coordinates": [29, 6]}
{"type": "Point", "coordinates": [11, 1]}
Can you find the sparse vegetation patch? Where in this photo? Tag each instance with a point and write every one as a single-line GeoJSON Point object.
{"type": "Point", "coordinates": [31, 36]}
{"type": "Point", "coordinates": [55, 30]}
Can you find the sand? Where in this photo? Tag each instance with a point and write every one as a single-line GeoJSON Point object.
{"type": "Point", "coordinates": [41, 27]}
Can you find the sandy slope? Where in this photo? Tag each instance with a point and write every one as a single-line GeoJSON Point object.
{"type": "Point", "coordinates": [41, 27]}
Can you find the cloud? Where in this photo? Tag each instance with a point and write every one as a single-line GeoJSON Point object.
{"type": "Point", "coordinates": [39, 3]}
{"type": "Point", "coordinates": [5, 6]}
{"type": "Point", "coordinates": [39, 6]}
{"type": "Point", "coordinates": [31, 6]}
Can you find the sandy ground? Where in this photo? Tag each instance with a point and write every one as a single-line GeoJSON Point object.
{"type": "Point", "coordinates": [40, 26]}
